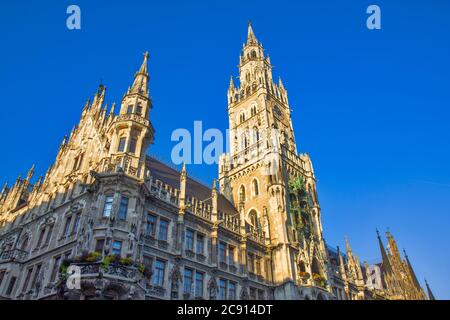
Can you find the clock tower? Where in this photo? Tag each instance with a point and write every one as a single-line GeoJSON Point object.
{"type": "Point", "coordinates": [272, 187]}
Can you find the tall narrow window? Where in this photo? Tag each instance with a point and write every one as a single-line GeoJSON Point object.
{"type": "Point", "coordinates": [55, 269]}
{"type": "Point", "coordinates": [49, 235]}
{"type": "Point", "coordinates": [116, 248]}
{"type": "Point", "coordinates": [36, 274]}
{"type": "Point", "coordinates": [150, 229]}
{"type": "Point", "coordinates": [122, 143]}
{"type": "Point", "coordinates": [231, 255]}
{"type": "Point", "coordinates": [222, 289]}
{"type": "Point", "coordinates": [2, 275]}
{"type": "Point", "coordinates": [41, 237]}
{"type": "Point", "coordinates": [231, 290]}
{"type": "Point", "coordinates": [76, 223]}
{"type": "Point", "coordinates": [133, 143]}
{"type": "Point", "coordinates": [199, 284]}
{"type": "Point", "coordinates": [188, 279]}
{"type": "Point", "coordinates": [67, 226]}
{"type": "Point", "coordinates": [108, 206]}
{"type": "Point", "coordinates": [222, 252]}
{"type": "Point", "coordinates": [130, 109]}
{"type": "Point", "coordinates": [163, 228]}
{"type": "Point", "coordinates": [258, 265]}
{"type": "Point", "coordinates": [27, 279]}
{"type": "Point", "coordinates": [189, 239]}
{"type": "Point", "coordinates": [123, 208]}
{"type": "Point", "coordinates": [251, 262]}
{"type": "Point", "coordinates": [158, 279]}
{"type": "Point", "coordinates": [255, 187]}
{"type": "Point", "coordinates": [199, 246]}
{"type": "Point", "coordinates": [11, 285]}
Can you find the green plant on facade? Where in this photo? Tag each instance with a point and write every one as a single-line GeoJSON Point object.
{"type": "Point", "coordinates": [299, 206]}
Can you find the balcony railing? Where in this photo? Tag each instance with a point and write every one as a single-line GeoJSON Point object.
{"type": "Point", "coordinates": [14, 255]}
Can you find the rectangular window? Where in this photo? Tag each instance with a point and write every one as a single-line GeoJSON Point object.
{"type": "Point", "coordinates": [139, 109]}
{"type": "Point", "coordinates": [41, 237]}
{"type": "Point", "coordinates": [222, 252]}
{"type": "Point", "coordinates": [133, 143]}
{"type": "Point", "coordinates": [2, 275]}
{"type": "Point", "coordinates": [27, 279]}
{"type": "Point", "coordinates": [123, 208]}
{"type": "Point", "coordinates": [108, 206]}
{"type": "Point", "coordinates": [116, 248]}
{"type": "Point", "coordinates": [251, 262]}
{"type": "Point", "coordinates": [199, 284]}
{"type": "Point", "coordinates": [49, 235]}
{"type": "Point", "coordinates": [187, 286]}
{"type": "Point", "coordinates": [222, 289]}
{"type": "Point", "coordinates": [130, 109]}
{"type": "Point", "coordinates": [258, 265]}
{"type": "Point", "coordinates": [99, 245]}
{"type": "Point", "coordinates": [232, 290]}
{"type": "Point", "coordinates": [67, 226]}
{"type": "Point", "coordinates": [122, 143]}
{"type": "Point", "coordinates": [189, 239]}
{"type": "Point", "coordinates": [76, 223]}
{"type": "Point", "coordinates": [163, 227]}
{"type": "Point", "coordinates": [231, 255]}
{"type": "Point", "coordinates": [150, 229]}
{"type": "Point", "coordinates": [199, 246]}
{"type": "Point", "coordinates": [36, 274]}
{"type": "Point", "coordinates": [55, 270]}
{"type": "Point", "coordinates": [11, 285]}
{"type": "Point", "coordinates": [160, 267]}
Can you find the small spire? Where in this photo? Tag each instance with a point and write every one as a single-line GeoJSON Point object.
{"type": "Point", "coordinates": [280, 83]}
{"type": "Point", "coordinates": [347, 245]}
{"type": "Point", "coordinates": [231, 82]}
{"type": "Point", "coordinates": [183, 170]}
{"type": "Point", "coordinates": [140, 83]}
{"type": "Point", "coordinates": [251, 38]}
{"type": "Point", "coordinates": [430, 293]}
{"type": "Point", "coordinates": [214, 185]}
{"type": "Point", "coordinates": [113, 107]}
{"type": "Point", "coordinates": [30, 173]}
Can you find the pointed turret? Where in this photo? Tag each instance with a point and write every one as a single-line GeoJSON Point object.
{"type": "Point", "coordinates": [411, 272]}
{"type": "Point", "coordinates": [385, 260]}
{"type": "Point", "coordinates": [251, 38]}
{"type": "Point", "coordinates": [430, 293]}
{"type": "Point", "coordinates": [231, 87]}
{"type": "Point", "coordinates": [140, 84]}
{"type": "Point", "coordinates": [30, 173]}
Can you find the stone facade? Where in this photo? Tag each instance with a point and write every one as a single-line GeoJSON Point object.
{"type": "Point", "coordinates": [132, 227]}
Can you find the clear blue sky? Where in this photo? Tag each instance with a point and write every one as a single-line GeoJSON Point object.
{"type": "Point", "coordinates": [370, 107]}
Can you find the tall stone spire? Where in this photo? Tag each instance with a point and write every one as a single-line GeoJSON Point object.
{"type": "Point", "coordinates": [411, 272]}
{"type": "Point", "coordinates": [140, 84]}
{"type": "Point", "coordinates": [251, 38]}
{"type": "Point", "coordinates": [386, 263]}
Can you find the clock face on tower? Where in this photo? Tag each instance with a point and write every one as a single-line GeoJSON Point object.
{"type": "Point", "coordinates": [277, 112]}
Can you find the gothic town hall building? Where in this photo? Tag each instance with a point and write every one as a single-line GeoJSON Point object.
{"type": "Point", "coordinates": [107, 221]}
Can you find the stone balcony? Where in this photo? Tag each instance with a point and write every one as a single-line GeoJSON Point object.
{"type": "Point", "coordinates": [110, 282]}
{"type": "Point", "coordinates": [15, 255]}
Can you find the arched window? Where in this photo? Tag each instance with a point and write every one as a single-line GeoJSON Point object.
{"type": "Point", "coordinates": [24, 244]}
{"type": "Point", "coordinates": [242, 117]}
{"type": "Point", "coordinates": [253, 110]}
{"type": "Point", "coordinates": [255, 133]}
{"type": "Point", "coordinates": [255, 187]}
{"type": "Point", "coordinates": [242, 194]}
{"type": "Point", "coordinates": [253, 216]}
{"type": "Point", "coordinates": [244, 141]}
{"type": "Point", "coordinates": [253, 54]}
